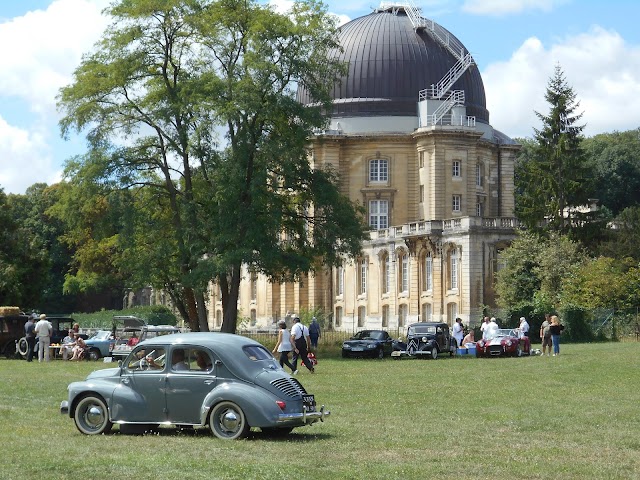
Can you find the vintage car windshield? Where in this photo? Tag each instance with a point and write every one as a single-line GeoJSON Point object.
{"type": "Point", "coordinates": [101, 335]}
{"type": "Point", "coordinates": [422, 330]}
{"type": "Point", "coordinates": [370, 334]}
{"type": "Point", "coordinates": [502, 332]}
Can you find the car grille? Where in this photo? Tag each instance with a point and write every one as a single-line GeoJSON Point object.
{"type": "Point", "coordinates": [496, 350]}
{"type": "Point", "coordinates": [290, 387]}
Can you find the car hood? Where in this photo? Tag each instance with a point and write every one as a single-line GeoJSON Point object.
{"type": "Point", "coordinates": [104, 373]}
{"type": "Point", "coordinates": [498, 340]}
{"type": "Point", "coordinates": [356, 343]}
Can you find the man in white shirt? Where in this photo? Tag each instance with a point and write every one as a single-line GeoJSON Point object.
{"type": "Point", "coordinates": [492, 328]}
{"type": "Point", "coordinates": [483, 327]}
{"type": "Point", "coordinates": [458, 331]}
{"type": "Point", "coordinates": [301, 345]}
{"type": "Point", "coordinates": [524, 327]}
{"type": "Point", "coordinates": [43, 330]}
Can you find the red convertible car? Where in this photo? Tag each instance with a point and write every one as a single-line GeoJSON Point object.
{"type": "Point", "coordinates": [503, 343]}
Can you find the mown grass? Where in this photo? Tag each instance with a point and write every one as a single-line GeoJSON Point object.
{"type": "Point", "coordinates": [574, 416]}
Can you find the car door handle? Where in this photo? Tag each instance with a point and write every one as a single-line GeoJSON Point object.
{"type": "Point", "coordinates": [209, 382]}
{"type": "Point", "coordinates": [125, 381]}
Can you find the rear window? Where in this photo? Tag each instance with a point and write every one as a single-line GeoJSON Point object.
{"type": "Point", "coordinates": [257, 352]}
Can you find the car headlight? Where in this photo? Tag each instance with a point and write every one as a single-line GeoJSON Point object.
{"type": "Point", "coordinates": [509, 343]}
{"type": "Point", "coordinates": [371, 345]}
{"type": "Point", "coordinates": [346, 346]}
{"type": "Point", "coordinates": [480, 344]}
{"type": "Point", "coordinates": [424, 339]}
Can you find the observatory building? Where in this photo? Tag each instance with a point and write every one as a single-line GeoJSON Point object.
{"type": "Point", "coordinates": [410, 139]}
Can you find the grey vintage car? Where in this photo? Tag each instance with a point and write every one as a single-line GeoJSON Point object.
{"type": "Point", "coordinates": [227, 382]}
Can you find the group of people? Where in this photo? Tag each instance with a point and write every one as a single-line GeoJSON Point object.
{"type": "Point", "coordinates": [301, 340]}
{"type": "Point", "coordinates": [550, 331]}
{"type": "Point", "coordinates": [43, 331]}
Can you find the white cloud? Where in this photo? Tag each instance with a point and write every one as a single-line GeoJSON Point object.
{"type": "Point", "coordinates": [45, 46]}
{"type": "Point", "coordinates": [602, 69]}
{"type": "Point", "coordinates": [508, 7]}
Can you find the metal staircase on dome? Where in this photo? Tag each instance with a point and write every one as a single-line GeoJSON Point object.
{"type": "Point", "coordinates": [442, 89]}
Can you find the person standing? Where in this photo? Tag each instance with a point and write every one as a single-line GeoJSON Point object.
{"type": "Point", "coordinates": [43, 330]}
{"type": "Point", "coordinates": [458, 331]}
{"type": "Point", "coordinates": [555, 329]}
{"type": "Point", "coordinates": [492, 328]}
{"type": "Point", "coordinates": [524, 327]}
{"type": "Point", "coordinates": [483, 327]}
{"type": "Point", "coordinates": [545, 334]}
{"type": "Point", "coordinates": [284, 346]}
{"type": "Point", "coordinates": [30, 336]}
{"type": "Point", "coordinates": [314, 332]}
{"type": "Point", "coordinates": [301, 344]}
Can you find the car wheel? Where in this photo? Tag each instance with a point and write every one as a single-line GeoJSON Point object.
{"type": "Point", "coordinates": [380, 353]}
{"type": "Point", "coordinates": [94, 354]}
{"type": "Point", "coordinates": [344, 354]}
{"type": "Point", "coordinates": [434, 353]}
{"type": "Point", "coordinates": [518, 351]}
{"type": "Point", "coordinates": [23, 347]}
{"type": "Point", "coordinates": [92, 416]}
{"type": "Point", "coordinates": [227, 421]}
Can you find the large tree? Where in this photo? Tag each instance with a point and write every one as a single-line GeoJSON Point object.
{"type": "Point", "coordinates": [165, 78]}
{"type": "Point", "coordinates": [552, 175]}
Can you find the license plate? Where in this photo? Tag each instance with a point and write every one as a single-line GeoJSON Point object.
{"type": "Point", "coordinates": [309, 401]}
{"type": "Point", "coordinates": [357, 349]}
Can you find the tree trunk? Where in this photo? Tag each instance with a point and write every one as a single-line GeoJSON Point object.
{"type": "Point", "coordinates": [230, 293]}
{"type": "Point", "coordinates": [192, 309]}
{"type": "Point", "coordinates": [202, 312]}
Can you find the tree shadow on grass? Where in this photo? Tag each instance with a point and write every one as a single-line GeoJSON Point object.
{"type": "Point", "coordinates": [299, 435]}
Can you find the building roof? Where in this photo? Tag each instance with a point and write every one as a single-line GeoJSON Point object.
{"type": "Point", "coordinates": [389, 63]}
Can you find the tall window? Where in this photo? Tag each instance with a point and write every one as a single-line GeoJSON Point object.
{"type": "Point", "coordinates": [386, 274]}
{"type": "Point", "coordinates": [362, 276]}
{"type": "Point", "coordinates": [427, 273]}
{"type": "Point", "coordinates": [385, 316]}
{"type": "Point", "coordinates": [378, 170]}
{"type": "Point", "coordinates": [456, 203]}
{"type": "Point", "coordinates": [455, 171]}
{"type": "Point", "coordinates": [338, 316]}
{"type": "Point", "coordinates": [254, 286]}
{"type": "Point", "coordinates": [361, 315]}
{"type": "Point", "coordinates": [403, 284]}
{"type": "Point", "coordinates": [479, 175]}
{"type": "Point", "coordinates": [453, 270]}
{"type": "Point", "coordinates": [452, 312]}
{"type": "Point", "coordinates": [402, 315]}
{"type": "Point", "coordinates": [421, 193]}
{"type": "Point", "coordinates": [426, 312]}
{"type": "Point", "coordinates": [479, 208]}
{"type": "Point", "coordinates": [340, 280]}
{"type": "Point", "coordinates": [379, 214]}
{"type": "Point", "coordinates": [254, 317]}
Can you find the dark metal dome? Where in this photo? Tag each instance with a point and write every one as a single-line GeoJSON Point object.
{"type": "Point", "coordinates": [389, 63]}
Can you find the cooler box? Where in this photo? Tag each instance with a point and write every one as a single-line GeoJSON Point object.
{"type": "Point", "coordinates": [472, 350]}
{"type": "Point", "coordinates": [463, 351]}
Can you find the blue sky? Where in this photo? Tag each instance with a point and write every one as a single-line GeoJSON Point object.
{"type": "Point", "coordinates": [516, 44]}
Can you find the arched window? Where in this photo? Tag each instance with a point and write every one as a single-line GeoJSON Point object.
{"type": "Point", "coordinates": [362, 275]}
{"type": "Point", "coordinates": [427, 272]}
{"type": "Point", "coordinates": [403, 272]}
{"type": "Point", "coordinates": [402, 315]}
{"type": "Point", "coordinates": [386, 273]}
{"type": "Point", "coordinates": [361, 315]}
{"type": "Point", "coordinates": [385, 316]}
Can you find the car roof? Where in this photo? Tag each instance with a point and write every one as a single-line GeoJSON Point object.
{"type": "Point", "coordinates": [430, 324]}
{"type": "Point", "coordinates": [218, 341]}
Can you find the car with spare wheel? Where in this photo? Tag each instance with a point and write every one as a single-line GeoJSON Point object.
{"type": "Point", "coordinates": [368, 343]}
{"type": "Point", "coordinates": [427, 340]}
{"type": "Point", "coordinates": [226, 382]}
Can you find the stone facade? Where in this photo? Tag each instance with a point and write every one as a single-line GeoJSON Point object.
{"type": "Point", "coordinates": [449, 203]}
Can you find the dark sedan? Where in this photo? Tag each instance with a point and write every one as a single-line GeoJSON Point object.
{"type": "Point", "coordinates": [368, 343]}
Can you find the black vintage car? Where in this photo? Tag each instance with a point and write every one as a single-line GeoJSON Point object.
{"type": "Point", "coordinates": [427, 340]}
{"type": "Point", "coordinates": [61, 325]}
{"type": "Point", "coordinates": [368, 343]}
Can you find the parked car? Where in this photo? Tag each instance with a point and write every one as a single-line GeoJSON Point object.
{"type": "Point", "coordinates": [368, 343]}
{"type": "Point", "coordinates": [427, 340]}
{"type": "Point", "coordinates": [11, 331]}
{"type": "Point", "coordinates": [504, 343]}
{"type": "Point", "coordinates": [135, 330]}
{"type": "Point", "coordinates": [100, 344]}
{"type": "Point", "coordinates": [226, 382]}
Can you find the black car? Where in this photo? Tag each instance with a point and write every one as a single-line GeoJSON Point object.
{"type": "Point", "coordinates": [368, 343]}
{"type": "Point", "coordinates": [427, 340]}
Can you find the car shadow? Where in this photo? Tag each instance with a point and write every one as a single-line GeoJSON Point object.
{"type": "Point", "coordinates": [297, 435]}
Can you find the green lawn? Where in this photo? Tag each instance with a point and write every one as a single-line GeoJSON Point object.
{"type": "Point", "coordinates": [575, 416]}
